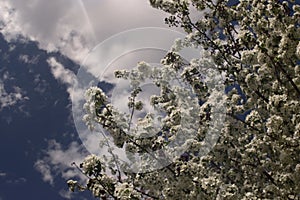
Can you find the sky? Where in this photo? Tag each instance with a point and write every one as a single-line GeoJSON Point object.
{"type": "Point", "coordinates": [43, 44]}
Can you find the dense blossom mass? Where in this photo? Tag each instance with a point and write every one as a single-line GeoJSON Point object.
{"type": "Point", "coordinates": [255, 46]}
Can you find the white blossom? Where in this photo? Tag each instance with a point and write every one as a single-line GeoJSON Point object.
{"type": "Point", "coordinates": [255, 154]}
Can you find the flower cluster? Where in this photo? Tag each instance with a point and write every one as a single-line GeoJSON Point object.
{"type": "Point", "coordinates": [126, 191]}
{"type": "Point", "coordinates": [255, 45]}
{"type": "Point", "coordinates": [92, 165]}
{"type": "Point", "coordinates": [95, 98]}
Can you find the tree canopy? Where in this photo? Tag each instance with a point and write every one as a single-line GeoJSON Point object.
{"type": "Point", "coordinates": [255, 46]}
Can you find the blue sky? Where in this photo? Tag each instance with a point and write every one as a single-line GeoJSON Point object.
{"type": "Point", "coordinates": [42, 44]}
{"type": "Point", "coordinates": [31, 123]}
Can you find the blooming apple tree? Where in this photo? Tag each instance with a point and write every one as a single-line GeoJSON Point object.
{"type": "Point", "coordinates": [255, 45]}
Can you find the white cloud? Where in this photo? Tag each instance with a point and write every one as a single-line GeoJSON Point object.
{"type": "Point", "coordinates": [45, 170]}
{"type": "Point", "coordinates": [61, 73]}
{"type": "Point", "coordinates": [74, 26]}
{"type": "Point", "coordinates": [67, 77]}
{"type": "Point", "coordinates": [19, 180]}
{"type": "Point", "coordinates": [12, 178]}
{"type": "Point", "coordinates": [8, 99]}
{"type": "Point", "coordinates": [66, 194]}
{"type": "Point", "coordinates": [58, 162]}
{"type": "Point", "coordinates": [29, 60]}
{"type": "Point", "coordinates": [41, 84]}
{"type": "Point", "coordinates": [2, 174]}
